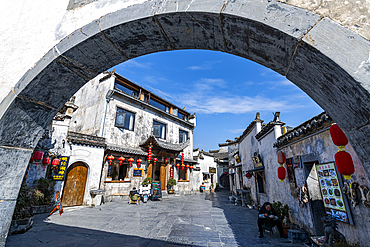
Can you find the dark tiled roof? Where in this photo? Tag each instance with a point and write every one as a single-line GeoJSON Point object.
{"type": "Point", "coordinates": [309, 127]}
{"type": "Point", "coordinates": [165, 145]}
{"type": "Point", "coordinates": [83, 139]}
{"type": "Point", "coordinates": [124, 149]}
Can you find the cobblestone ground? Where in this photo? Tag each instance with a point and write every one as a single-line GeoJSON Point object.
{"type": "Point", "coordinates": [195, 220]}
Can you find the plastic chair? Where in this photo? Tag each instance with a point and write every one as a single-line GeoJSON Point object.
{"type": "Point", "coordinates": [134, 199]}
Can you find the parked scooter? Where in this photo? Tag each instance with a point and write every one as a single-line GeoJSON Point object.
{"type": "Point", "coordinates": [145, 192]}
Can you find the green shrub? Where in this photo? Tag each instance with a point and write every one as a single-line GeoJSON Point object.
{"type": "Point", "coordinates": [281, 210]}
{"type": "Point", "coordinates": [147, 181]}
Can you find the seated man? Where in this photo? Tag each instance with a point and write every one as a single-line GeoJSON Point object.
{"type": "Point", "coordinates": [267, 217]}
{"type": "Point", "coordinates": [202, 187]}
{"type": "Point", "coordinates": [133, 192]}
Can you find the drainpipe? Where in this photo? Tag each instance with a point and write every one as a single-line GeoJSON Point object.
{"type": "Point", "coordinates": [108, 98]}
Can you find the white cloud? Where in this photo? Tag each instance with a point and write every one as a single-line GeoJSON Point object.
{"type": "Point", "coordinates": [235, 131]}
{"type": "Point", "coordinates": [206, 66]}
{"type": "Point", "coordinates": [134, 64]}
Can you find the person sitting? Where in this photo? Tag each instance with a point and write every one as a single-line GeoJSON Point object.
{"type": "Point", "coordinates": [267, 219]}
{"type": "Point", "coordinates": [134, 194]}
{"type": "Point", "coordinates": [202, 187]}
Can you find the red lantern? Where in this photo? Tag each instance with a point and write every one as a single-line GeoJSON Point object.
{"type": "Point", "coordinates": [182, 166]}
{"type": "Point", "coordinates": [344, 164]}
{"type": "Point", "coordinates": [130, 160]}
{"type": "Point", "coordinates": [187, 166]}
{"type": "Point", "coordinates": [177, 165]}
{"type": "Point", "coordinates": [149, 153]}
{"type": "Point", "coordinates": [281, 158]}
{"type": "Point", "coordinates": [155, 160]}
{"type": "Point", "coordinates": [338, 136]}
{"type": "Point", "coordinates": [138, 162]}
{"type": "Point", "coordinates": [281, 173]}
{"type": "Point", "coordinates": [121, 159]}
{"type": "Point", "coordinates": [182, 158]}
{"type": "Point", "coordinates": [248, 175]}
{"type": "Point", "coordinates": [166, 160]}
{"type": "Point", "coordinates": [55, 163]}
{"type": "Point", "coordinates": [110, 159]}
{"type": "Point", "coordinates": [37, 156]}
{"type": "Point", "coordinates": [46, 161]}
{"type": "Point", "coordinates": [191, 168]}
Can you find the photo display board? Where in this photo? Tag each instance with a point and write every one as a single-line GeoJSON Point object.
{"type": "Point", "coordinates": [331, 192]}
{"type": "Point", "coordinates": [60, 172]}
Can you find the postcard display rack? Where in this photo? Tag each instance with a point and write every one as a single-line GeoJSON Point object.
{"type": "Point", "coordinates": [335, 202]}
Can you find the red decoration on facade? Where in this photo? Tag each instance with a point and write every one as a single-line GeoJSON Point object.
{"type": "Point", "coordinates": [155, 160]}
{"type": "Point", "coordinates": [182, 166]}
{"type": "Point", "coordinates": [37, 156]}
{"type": "Point", "coordinates": [182, 158]}
{"type": "Point", "coordinates": [55, 163]}
{"type": "Point", "coordinates": [149, 153]}
{"type": "Point", "coordinates": [248, 175]}
{"type": "Point", "coordinates": [130, 160]}
{"type": "Point", "coordinates": [46, 161]}
{"type": "Point", "coordinates": [187, 166]}
{"type": "Point", "coordinates": [171, 171]}
{"type": "Point", "coordinates": [110, 159]}
{"type": "Point", "coordinates": [338, 136]}
{"type": "Point", "coordinates": [121, 159]}
{"type": "Point", "coordinates": [139, 162]}
{"type": "Point", "coordinates": [166, 161]}
{"type": "Point", "coordinates": [344, 164]}
{"type": "Point", "coordinates": [343, 159]}
{"type": "Point", "coordinates": [191, 168]}
{"type": "Point", "coordinates": [281, 157]}
{"type": "Point", "coordinates": [177, 165]}
{"type": "Point", "coordinates": [281, 173]}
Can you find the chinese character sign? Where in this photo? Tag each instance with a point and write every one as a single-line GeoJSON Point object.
{"type": "Point", "coordinates": [59, 173]}
{"type": "Point", "coordinates": [331, 191]}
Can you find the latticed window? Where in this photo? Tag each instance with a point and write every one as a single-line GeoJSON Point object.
{"type": "Point", "coordinates": [159, 130]}
{"type": "Point", "coordinates": [183, 136]}
{"type": "Point", "coordinates": [125, 119]}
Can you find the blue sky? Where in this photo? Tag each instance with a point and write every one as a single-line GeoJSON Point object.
{"type": "Point", "coordinates": [225, 91]}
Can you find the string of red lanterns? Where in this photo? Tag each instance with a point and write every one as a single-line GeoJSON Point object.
{"type": "Point", "coordinates": [182, 161]}
{"type": "Point", "coordinates": [130, 160]}
{"type": "Point", "coordinates": [191, 168]}
{"type": "Point", "coordinates": [139, 162]}
{"type": "Point", "coordinates": [343, 159]}
{"type": "Point", "coordinates": [177, 165]}
{"type": "Point", "coordinates": [166, 161]}
{"type": "Point", "coordinates": [281, 169]}
{"type": "Point", "coordinates": [149, 154]}
{"type": "Point", "coordinates": [121, 159]}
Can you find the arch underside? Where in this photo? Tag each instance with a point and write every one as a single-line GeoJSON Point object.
{"type": "Point", "coordinates": [325, 60]}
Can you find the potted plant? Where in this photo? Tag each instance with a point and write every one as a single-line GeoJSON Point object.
{"type": "Point", "coordinates": [211, 187]}
{"type": "Point", "coordinates": [114, 174]}
{"type": "Point", "coordinates": [171, 182]}
{"type": "Point", "coordinates": [282, 211]}
{"type": "Point", "coordinates": [147, 181]}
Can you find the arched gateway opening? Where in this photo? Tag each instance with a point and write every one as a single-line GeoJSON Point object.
{"type": "Point", "coordinates": [324, 59]}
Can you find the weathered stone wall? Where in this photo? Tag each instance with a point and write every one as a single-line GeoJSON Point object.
{"type": "Point", "coordinates": [320, 148]}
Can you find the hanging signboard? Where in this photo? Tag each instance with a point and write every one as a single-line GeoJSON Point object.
{"type": "Point", "coordinates": [60, 172]}
{"type": "Point", "coordinates": [212, 170]}
{"type": "Point", "coordinates": [156, 190]}
{"type": "Point", "coordinates": [331, 192]}
{"type": "Point", "coordinates": [138, 172]}
{"type": "Point", "coordinates": [257, 161]}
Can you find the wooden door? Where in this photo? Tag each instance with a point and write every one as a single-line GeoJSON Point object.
{"type": "Point", "coordinates": [74, 186]}
{"type": "Point", "coordinates": [163, 176]}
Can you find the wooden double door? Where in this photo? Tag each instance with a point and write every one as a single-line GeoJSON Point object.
{"type": "Point", "coordinates": [74, 185]}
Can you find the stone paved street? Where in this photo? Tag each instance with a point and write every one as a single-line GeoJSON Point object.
{"type": "Point", "coordinates": [193, 220]}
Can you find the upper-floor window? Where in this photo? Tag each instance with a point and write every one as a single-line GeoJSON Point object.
{"type": "Point", "coordinates": [127, 90]}
{"type": "Point", "coordinates": [159, 130]}
{"type": "Point", "coordinates": [183, 136]}
{"type": "Point", "coordinates": [182, 116]}
{"type": "Point", "coordinates": [125, 119]}
{"type": "Point", "coordinates": [157, 104]}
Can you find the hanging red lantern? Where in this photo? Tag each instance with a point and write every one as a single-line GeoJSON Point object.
{"type": "Point", "coordinates": [55, 163]}
{"type": "Point", "coordinates": [187, 166]}
{"type": "Point", "coordinates": [138, 162]}
{"type": "Point", "coordinates": [177, 165]}
{"type": "Point", "coordinates": [343, 159]}
{"type": "Point", "coordinates": [344, 164]}
{"type": "Point", "coordinates": [37, 156]}
{"type": "Point", "coordinates": [130, 160]}
{"type": "Point", "coordinates": [46, 161]}
{"type": "Point", "coordinates": [281, 173]}
{"type": "Point", "coordinates": [166, 161]}
{"type": "Point", "coordinates": [338, 136]}
{"type": "Point", "coordinates": [110, 159]}
{"type": "Point", "coordinates": [281, 157]}
{"type": "Point", "coordinates": [149, 153]}
{"type": "Point", "coordinates": [182, 166]}
{"type": "Point", "coordinates": [248, 175]}
{"type": "Point", "coordinates": [121, 159]}
{"type": "Point", "coordinates": [182, 158]}
{"type": "Point", "coordinates": [155, 160]}
{"type": "Point", "coordinates": [191, 168]}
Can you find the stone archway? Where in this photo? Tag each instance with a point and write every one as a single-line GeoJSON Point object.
{"type": "Point", "coordinates": [327, 61]}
